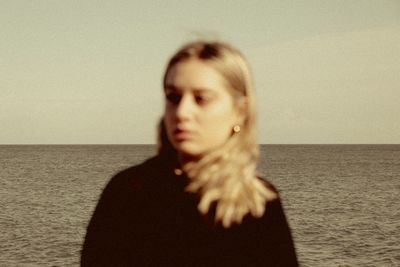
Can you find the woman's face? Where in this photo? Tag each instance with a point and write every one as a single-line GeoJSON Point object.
{"type": "Point", "coordinates": [199, 111]}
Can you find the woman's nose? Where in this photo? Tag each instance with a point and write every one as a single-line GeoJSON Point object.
{"type": "Point", "coordinates": [184, 108]}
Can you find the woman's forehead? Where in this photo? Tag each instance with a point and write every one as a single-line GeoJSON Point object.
{"type": "Point", "coordinates": [194, 75]}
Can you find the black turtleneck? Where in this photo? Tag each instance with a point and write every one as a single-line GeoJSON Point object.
{"type": "Point", "coordinates": [145, 218]}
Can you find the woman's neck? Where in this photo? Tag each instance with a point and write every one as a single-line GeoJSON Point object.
{"type": "Point", "coordinates": [187, 159]}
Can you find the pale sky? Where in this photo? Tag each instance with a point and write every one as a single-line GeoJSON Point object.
{"type": "Point", "coordinates": [89, 72]}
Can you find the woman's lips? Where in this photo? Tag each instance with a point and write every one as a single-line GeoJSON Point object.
{"type": "Point", "coordinates": [181, 135]}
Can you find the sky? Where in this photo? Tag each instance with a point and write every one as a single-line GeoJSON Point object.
{"type": "Point", "coordinates": [89, 72]}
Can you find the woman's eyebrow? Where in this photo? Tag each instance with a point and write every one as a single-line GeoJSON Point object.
{"type": "Point", "coordinates": [171, 87]}
{"type": "Point", "coordinates": [203, 91]}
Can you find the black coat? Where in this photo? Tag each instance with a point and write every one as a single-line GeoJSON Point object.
{"type": "Point", "coordinates": [144, 218]}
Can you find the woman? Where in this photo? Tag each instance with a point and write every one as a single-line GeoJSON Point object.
{"type": "Point", "coordinates": [199, 202]}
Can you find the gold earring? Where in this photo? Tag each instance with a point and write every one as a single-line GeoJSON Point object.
{"type": "Point", "coordinates": [236, 128]}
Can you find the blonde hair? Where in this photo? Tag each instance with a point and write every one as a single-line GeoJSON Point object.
{"type": "Point", "coordinates": [226, 176]}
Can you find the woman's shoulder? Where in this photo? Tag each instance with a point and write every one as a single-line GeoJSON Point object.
{"type": "Point", "coordinates": [139, 168]}
{"type": "Point", "coordinates": [269, 185]}
{"type": "Point", "coordinates": [135, 176]}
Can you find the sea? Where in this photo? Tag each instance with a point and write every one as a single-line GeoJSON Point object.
{"type": "Point", "coordinates": [342, 201]}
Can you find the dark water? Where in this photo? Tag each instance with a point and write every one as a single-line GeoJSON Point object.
{"type": "Point", "coordinates": [342, 202]}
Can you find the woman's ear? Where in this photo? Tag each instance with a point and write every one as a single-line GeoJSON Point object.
{"type": "Point", "coordinates": [241, 108]}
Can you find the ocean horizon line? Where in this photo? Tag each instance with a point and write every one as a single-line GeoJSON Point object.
{"type": "Point", "coordinates": [268, 144]}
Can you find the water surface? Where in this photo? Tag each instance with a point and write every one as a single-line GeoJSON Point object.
{"type": "Point", "coordinates": [342, 201]}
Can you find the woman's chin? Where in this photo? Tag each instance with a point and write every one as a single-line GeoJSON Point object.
{"type": "Point", "coordinates": [188, 150]}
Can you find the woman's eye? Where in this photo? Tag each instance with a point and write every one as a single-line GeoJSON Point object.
{"type": "Point", "coordinates": [202, 100]}
{"type": "Point", "coordinates": [173, 98]}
